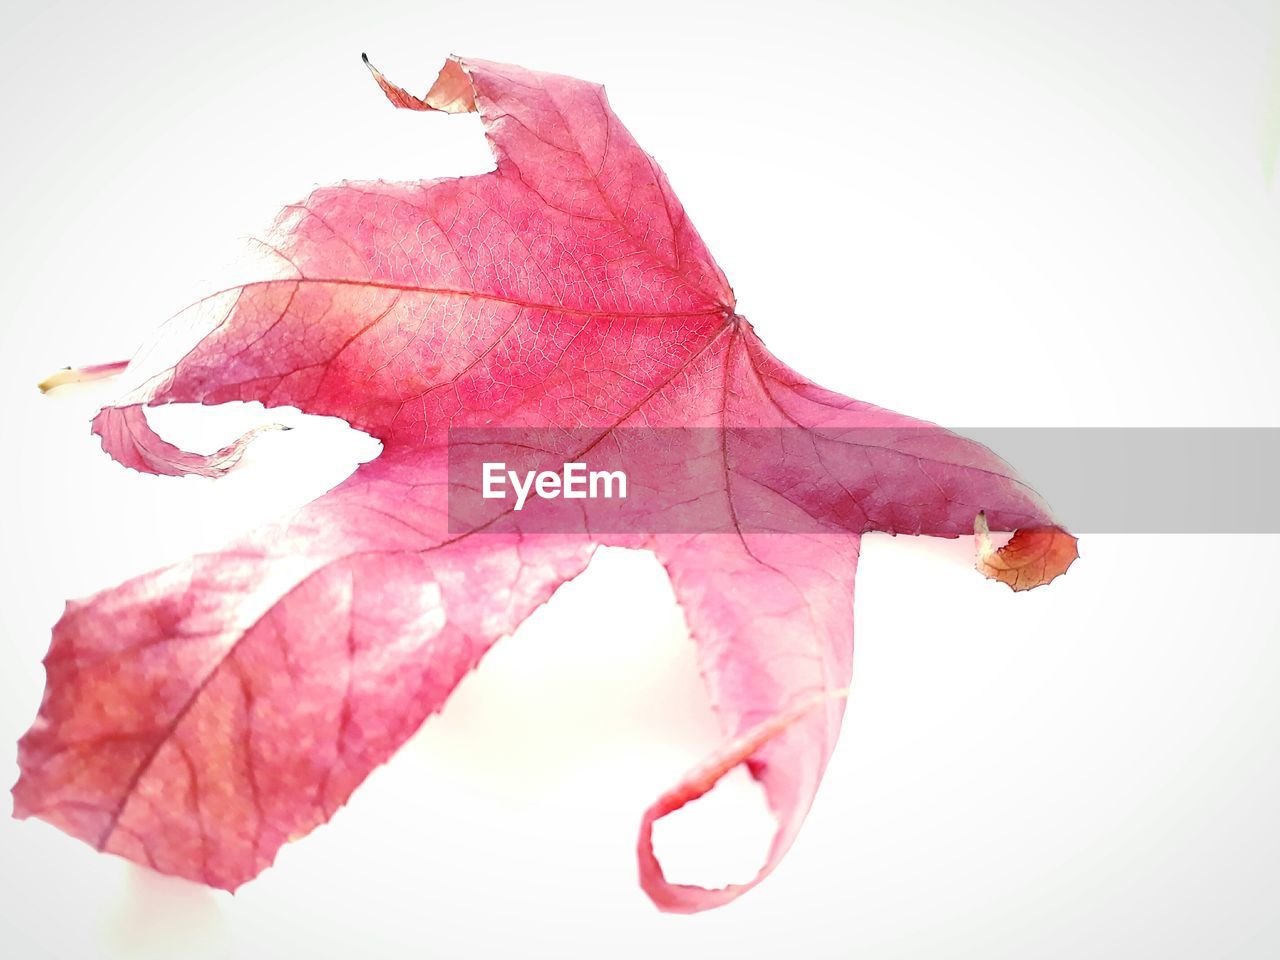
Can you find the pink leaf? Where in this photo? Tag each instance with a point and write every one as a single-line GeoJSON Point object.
{"type": "Point", "coordinates": [198, 717]}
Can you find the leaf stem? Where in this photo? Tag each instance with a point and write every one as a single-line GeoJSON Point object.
{"type": "Point", "coordinates": [97, 371]}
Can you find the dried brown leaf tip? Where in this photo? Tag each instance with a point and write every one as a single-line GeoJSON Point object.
{"type": "Point", "coordinates": [451, 93]}
{"type": "Point", "coordinates": [1033, 556]}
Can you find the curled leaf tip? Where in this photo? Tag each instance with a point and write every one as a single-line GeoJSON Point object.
{"type": "Point", "coordinates": [452, 92]}
{"type": "Point", "coordinates": [688, 898]}
{"type": "Point", "coordinates": [1033, 557]}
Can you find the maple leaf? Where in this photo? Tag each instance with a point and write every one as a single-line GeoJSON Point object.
{"type": "Point", "coordinates": [198, 717]}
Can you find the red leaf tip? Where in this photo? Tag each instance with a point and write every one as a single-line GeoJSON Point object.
{"type": "Point", "coordinates": [1033, 557]}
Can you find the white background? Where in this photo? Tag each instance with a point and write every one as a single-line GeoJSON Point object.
{"type": "Point", "coordinates": [985, 214]}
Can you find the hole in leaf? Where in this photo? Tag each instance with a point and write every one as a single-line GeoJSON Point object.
{"type": "Point", "coordinates": [721, 838]}
{"type": "Point", "coordinates": [281, 471]}
{"type": "Point", "coordinates": [316, 439]}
